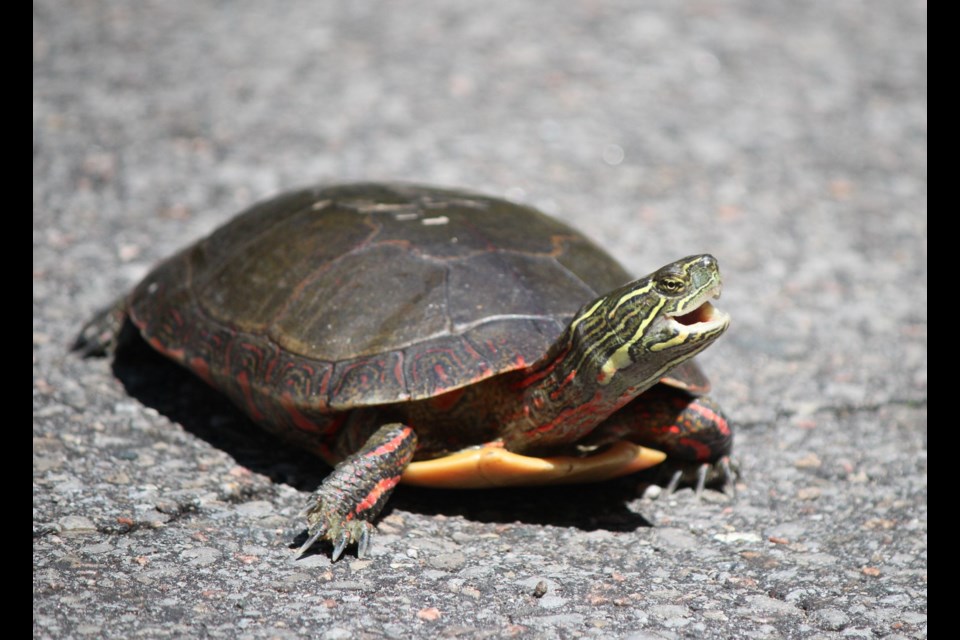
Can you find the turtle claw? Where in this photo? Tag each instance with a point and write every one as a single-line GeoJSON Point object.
{"type": "Point", "coordinates": [340, 546]}
{"type": "Point", "coordinates": [349, 532]}
{"type": "Point", "coordinates": [701, 480]}
{"type": "Point", "coordinates": [730, 473]}
{"type": "Point", "coordinates": [311, 540]}
{"type": "Point", "coordinates": [364, 544]}
{"type": "Point", "coordinates": [674, 482]}
{"type": "Point", "coordinates": [339, 531]}
{"type": "Point", "coordinates": [721, 474]}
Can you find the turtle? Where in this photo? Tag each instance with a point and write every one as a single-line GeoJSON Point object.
{"type": "Point", "coordinates": [441, 338]}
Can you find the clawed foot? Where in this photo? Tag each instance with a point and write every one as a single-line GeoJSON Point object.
{"type": "Point", "coordinates": [340, 531]}
{"type": "Point", "coordinates": [721, 474]}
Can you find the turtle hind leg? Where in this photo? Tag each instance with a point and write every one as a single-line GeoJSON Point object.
{"type": "Point", "coordinates": [697, 438]}
{"type": "Point", "coordinates": [101, 334]}
{"type": "Point", "coordinates": [342, 510]}
{"type": "Point", "coordinates": [692, 431]}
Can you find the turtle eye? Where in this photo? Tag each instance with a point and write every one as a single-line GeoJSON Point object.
{"type": "Point", "coordinates": [670, 284]}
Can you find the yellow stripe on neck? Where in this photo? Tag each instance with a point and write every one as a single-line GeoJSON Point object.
{"type": "Point", "coordinates": [621, 357]}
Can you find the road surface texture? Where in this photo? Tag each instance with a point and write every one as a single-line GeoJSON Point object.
{"type": "Point", "coordinates": [788, 139]}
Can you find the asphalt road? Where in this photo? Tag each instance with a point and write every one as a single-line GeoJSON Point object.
{"type": "Point", "coordinates": [787, 139]}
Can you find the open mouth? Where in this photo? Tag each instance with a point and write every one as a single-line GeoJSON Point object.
{"type": "Point", "coordinates": [703, 313]}
{"type": "Point", "coordinates": [706, 314]}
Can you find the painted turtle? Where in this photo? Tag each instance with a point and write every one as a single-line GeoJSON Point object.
{"type": "Point", "coordinates": [437, 337]}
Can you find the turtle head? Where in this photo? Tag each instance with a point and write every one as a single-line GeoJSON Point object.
{"type": "Point", "coordinates": [614, 349]}
{"type": "Point", "coordinates": [632, 336]}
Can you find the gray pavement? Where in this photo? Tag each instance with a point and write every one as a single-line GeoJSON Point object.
{"type": "Point", "coordinates": [786, 138]}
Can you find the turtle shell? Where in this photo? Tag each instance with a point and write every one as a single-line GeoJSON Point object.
{"type": "Point", "coordinates": [329, 299]}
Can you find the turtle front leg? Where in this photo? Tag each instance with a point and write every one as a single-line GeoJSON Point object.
{"type": "Point", "coordinates": [692, 431]}
{"type": "Point", "coordinates": [342, 510]}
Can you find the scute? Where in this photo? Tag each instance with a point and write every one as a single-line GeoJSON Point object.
{"type": "Point", "coordinates": [507, 285]}
{"type": "Point", "coordinates": [364, 303]}
{"type": "Point", "coordinates": [246, 275]}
